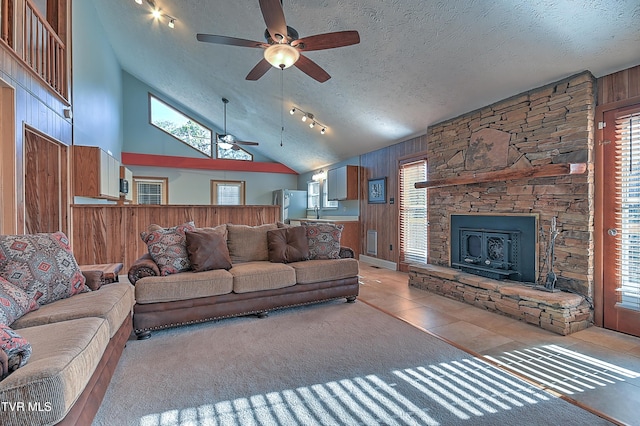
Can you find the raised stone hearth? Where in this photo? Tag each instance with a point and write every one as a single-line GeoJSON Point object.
{"type": "Point", "coordinates": [560, 312]}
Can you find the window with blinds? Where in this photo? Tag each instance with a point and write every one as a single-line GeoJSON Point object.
{"type": "Point", "coordinates": [150, 191]}
{"type": "Point", "coordinates": [628, 212]}
{"type": "Point", "coordinates": [413, 213]}
{"type": "Point", "coordinates": [227, 192]}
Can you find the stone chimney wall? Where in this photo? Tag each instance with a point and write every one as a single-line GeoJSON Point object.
{"type": "Point", "coordinates": [548, 125]}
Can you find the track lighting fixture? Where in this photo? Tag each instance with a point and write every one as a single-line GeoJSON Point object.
{"type": "Point", "coordinates": [157, 13]}
{"type": "Point", "coordinates": [308, 116]}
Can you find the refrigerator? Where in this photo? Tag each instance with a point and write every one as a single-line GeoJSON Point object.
{"type": "Point", "coordinates": [292, 202]}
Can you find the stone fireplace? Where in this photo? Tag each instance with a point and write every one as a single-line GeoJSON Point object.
{"type": "Point", "coordinates": [526, 156]}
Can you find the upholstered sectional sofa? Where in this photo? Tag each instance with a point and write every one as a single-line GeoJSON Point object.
{"type": "Point", "coordinates": [257, 269]}
{"type": "Point", "coordinates": [74, 342]}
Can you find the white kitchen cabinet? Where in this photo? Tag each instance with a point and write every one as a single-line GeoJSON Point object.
{"type": "Point", "coordinates": [342, 183]}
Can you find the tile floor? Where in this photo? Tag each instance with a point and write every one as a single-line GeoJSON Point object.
{"type": "Point", "coordinates": [597, 368]}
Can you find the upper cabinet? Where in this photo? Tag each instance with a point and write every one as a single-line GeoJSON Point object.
{"type": "Point", "coordinates": [342, 183]}
{"type": "Point", "coordinates": [96, 174]}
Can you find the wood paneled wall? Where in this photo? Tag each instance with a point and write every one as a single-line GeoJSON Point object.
{"type": "Point", "coordinates": [619, 87]}
{"type": "Point", "coordinates": [32, 104]}
{"type": "Point", "coordinates": [108, 233]}
{"type": "Point", "coordinates": [383, 218]}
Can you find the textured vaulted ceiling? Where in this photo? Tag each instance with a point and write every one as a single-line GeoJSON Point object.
{"type": "Point", "coordinates": [419, 62]}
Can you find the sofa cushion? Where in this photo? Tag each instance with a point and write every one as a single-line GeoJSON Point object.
{"type": "Point", "coordinates": [41, 264]}
{"type": "Point", "coordinates": [288, 244]}
{"type": "Point", "coordinates": [112, 302]}
{"type": "Point", "coordinates": [257, 276]}
{"type": "Point", "coordinates": [207, 249]}
{"type": "Point", "coordinates": [314, 271]}
{"type": "Point", "coordinates": [324, 240]}
{"type": "Point", "coordinates": [183, 286]}
{"type": "Point", "coordinates": [248, 243]}
{"type": "Point", "coordinates": [14, 302]}
{"type": "Point", "coordinates": [65, 355]}
{"type": "Point", "coordinates": [16, 347]}
{"type": "Point", "coordinates": [168, 247]}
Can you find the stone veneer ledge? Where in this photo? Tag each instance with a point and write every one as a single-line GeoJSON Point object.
{"type": "Point", "coordinates": [560, 312]}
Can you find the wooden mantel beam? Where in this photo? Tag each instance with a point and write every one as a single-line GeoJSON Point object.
{"type": "Point", "coordinates": [508, 174]}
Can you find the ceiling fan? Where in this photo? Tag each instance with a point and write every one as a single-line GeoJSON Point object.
{"type": "Point", "coordinates": [283, 47]}
{"type": "Point", "coordinates": [226, 140]}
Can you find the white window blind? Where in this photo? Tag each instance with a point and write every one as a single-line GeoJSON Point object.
{"type": "Point", "coordinates": [149, 192]}
{"type": "Point", "coordinates": [413, 213]}
{"type": "Point", "coordinates": [228, 193]}
{"type": "Point", "coordinates": [628, 213]}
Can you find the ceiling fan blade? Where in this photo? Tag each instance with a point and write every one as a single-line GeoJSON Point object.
{"type": "Point", "coordinates": [274, 18]}
{"type": "Point", "coordinates": [312, 69]}
{"type": "Point", "coordinates": [247, 143]}
{"type": "Point", "coordinates": [327, 41]}
{"type": "Point", "coordinates": [229, 41]}
{"type": "Point", "coordinates": [259, 70]}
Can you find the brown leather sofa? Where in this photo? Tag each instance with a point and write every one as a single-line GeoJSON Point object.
{"type": "Point", "coordinates": [253, 285]}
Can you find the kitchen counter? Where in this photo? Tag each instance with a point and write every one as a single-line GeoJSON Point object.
{"type": "Point", "coordinates": [327, 219]}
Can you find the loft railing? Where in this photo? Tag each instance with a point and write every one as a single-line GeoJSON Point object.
{"type": "Point", "coordinates": [28, 34]}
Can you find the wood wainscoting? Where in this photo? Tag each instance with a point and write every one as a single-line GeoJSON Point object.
{"type": "Point", "coordinates": [110, 233]}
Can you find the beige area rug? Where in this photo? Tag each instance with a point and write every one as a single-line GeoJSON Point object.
{"type": "Point", "coordinates": [327, 364]}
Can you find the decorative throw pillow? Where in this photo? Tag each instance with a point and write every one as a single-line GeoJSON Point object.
{"type": "Point", "coordinates": [168, 247]}
{"type": "Point", "coordinates": [14, 302]}
{"type": "Point", "coordinates": [288, 244]}
{"type": "Point", "coordinates": [248, 243]}
{"type": "Point", "coordinates": [42, 265]}
{"type": "Point", "coordinates": [324, 240]}
{"type": "Point", "coordinates": [207, 249]}
{"type": "Point", "coordinates": [16, 347]}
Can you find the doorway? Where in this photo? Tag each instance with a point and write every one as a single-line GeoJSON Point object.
{"type": "Point", "coordinates": [620, 230]}
{"type": "Point", "coordinates": [45, 183]}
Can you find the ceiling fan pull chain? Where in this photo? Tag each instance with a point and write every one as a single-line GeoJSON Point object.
{"type": "Point", "coordinates": [282, 107]}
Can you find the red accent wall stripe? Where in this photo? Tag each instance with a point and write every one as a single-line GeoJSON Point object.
{"type": "Point", "coordinates": [136, 159]}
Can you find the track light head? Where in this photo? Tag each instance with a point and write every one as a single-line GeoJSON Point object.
{"type": "Point", "coordinates": [323, 131]}
{"type": "Point", "coordinates": [172, 23]}
{"type": "Point", "coordinates": [292, 111]}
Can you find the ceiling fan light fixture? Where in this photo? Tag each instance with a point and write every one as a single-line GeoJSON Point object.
{"type": "Point", "coordinates": [281, 55]}
{"type": "Point", "coordinates": [225, 145]}
{"type": "Point", "coordinates": [139, 1]}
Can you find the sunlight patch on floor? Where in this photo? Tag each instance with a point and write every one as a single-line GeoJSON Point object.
{"type": "Point", "coordinates": [563, 370]}
{"type": "Point", "coordinates": [466, 389]}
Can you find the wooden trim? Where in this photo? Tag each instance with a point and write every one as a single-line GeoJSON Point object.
{"type": "Point", "coordinates": [508, 174]}
{"type": "Point", "coordinates": [8, 184]}
{"type": "Point", "coordinates": [153, 160]}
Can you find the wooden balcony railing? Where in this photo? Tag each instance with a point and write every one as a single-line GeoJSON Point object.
{"type": "Point", "coordinates": [27, 33]}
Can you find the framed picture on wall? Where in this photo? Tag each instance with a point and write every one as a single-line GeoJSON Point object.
{"type": "Point", "coordinates": [377, 191]}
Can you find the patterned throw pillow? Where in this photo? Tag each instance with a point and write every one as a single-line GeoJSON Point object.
{"type": "Point", "coordinates": [42, 265]}
{"type": "Point", "coordinates": [168, 248]}
{"type": "Point", "coordinates": [16, 347]}
{"type": "Point", "coordinates": [324, 240]}
{"type": "Point", "coordinates": [14, 302]}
